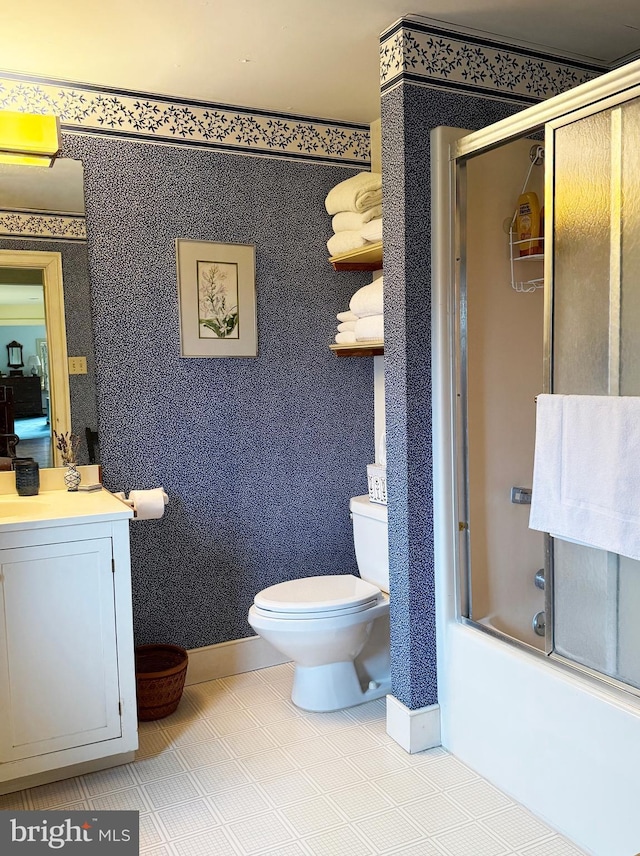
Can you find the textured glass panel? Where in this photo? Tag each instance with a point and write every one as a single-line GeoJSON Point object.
{"type": "Point", "coordinates": [585, 582]}
{"type": "Point", "coordinates": [596, 310]}
{"type": "Point", "coordinates": [581, 256]}
{"type": "Point", "coordinates": [630, 254]}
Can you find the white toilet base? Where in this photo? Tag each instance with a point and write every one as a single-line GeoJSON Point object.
{"type": "Point", "coordinates": [332, 687]}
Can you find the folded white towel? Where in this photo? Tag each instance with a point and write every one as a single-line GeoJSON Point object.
{"type": "Point", "coordinates": [368, 300]}
{"type": "Point", "coordinates": [346, 316]}
{"type": "Point", "coordinates": [351, 220]}
{"type": "Point", "coordinates": [343, 326]}
{"type": "Point", "coordinates": [586, 477]}
{"type": "Point", "coordinates": [358, 193]}
{"type": "Point", "coordinates": [370, 328]}
{"type": "Point", "coordinates": [372, 231]}
{"type": "Point", "coordinates": [345, 338]}
{"type": "Point", "coordinates": [342, 242]}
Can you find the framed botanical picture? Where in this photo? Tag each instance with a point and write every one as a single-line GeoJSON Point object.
{"type": "Point", "coordinates": [217, 296]}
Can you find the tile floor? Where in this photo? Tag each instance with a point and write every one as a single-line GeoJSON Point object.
{"type": "Point", "coordinates": [237, 770]}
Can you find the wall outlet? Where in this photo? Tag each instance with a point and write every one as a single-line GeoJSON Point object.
{"type": "Point", "coordinates": [77, 365]}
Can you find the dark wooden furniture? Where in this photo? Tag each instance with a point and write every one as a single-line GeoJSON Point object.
{"type": "Point", "coordinates": [27, 395]}
{"type": "Point", "coordinates": [8, 438]}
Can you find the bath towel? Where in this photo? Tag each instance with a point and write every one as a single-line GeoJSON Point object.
{"type": "Point", "coordinates": [368, 300]}
{"type": "Point", "coordinates": [586, 477]}
{"type": "Point", "coordinates": [370, 328]}
{"type": "Point", "coordinates": [342, 242]}
{"type": "Point", "coordinates": [351, 220]}
{"type": "Point", "coordinates": [345, 338]}
{"type": "Point", "coordinates": [372, 231]}
{"type": "Point", "coordinates": [358, 193]}
{"type": "Point", "coordinates": [343, 326]}
{"type": "Point", "coordinates": [346, 316]}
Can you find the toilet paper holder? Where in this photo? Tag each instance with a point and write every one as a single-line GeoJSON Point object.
{"type": "Point", "coordinates": [132, 504]}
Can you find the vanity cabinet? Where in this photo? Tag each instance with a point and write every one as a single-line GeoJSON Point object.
{"type": "Point", "coordinates": [67, 674]}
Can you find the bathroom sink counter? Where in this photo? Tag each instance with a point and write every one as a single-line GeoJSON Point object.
{"type": "Point", "coordinates": [59, 508]}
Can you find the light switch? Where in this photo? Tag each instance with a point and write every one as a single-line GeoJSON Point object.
{"type": "Point", "coordinates": [77, 365]}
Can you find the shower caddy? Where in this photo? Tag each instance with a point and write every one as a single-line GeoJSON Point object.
{"type": "Point", "coordinates": [536, 156]}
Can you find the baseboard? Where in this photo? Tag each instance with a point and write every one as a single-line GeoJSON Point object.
{"type": "Point", "coordinates": [231, 658]}
{"type": "Point", "coordinates": [414, 730]}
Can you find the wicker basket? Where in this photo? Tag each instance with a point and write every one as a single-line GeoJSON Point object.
{"type": "Point", "coordinates": [160, 674]}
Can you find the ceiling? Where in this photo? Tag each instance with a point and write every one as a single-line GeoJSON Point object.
{"type": "Point", "coordinates": [311, 57]}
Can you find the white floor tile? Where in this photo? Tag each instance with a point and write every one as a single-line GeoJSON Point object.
{"type": "Point", "coordinates": [167, 792]}
{"type": "Point", "coordinates": [187, 819]}
{"type": "Point", "coordinates": [240, 803]}
{"type": "Point", "coordinates": [312, 815]}
{"type": "Point", "coordinates": [130, 799]}
{"type": "Point", "coordinates": [516, 827]}
{"type": "Point", "coordinates": [403, 786]}
{"type": "Point", "coordinates": [387, 830]}
{"type": "Point", "coordinates": [470, 840]}
{"type": "Point", "coordinates": [238, 770]}
{"type": "Point", "coordinates": [334, 774]}
{"type": "Point", "coordinates": [435, 814]}
{"type": "Point", "coordinates": [150, 833]}
{"type": "Point", "coordinates": [57, 793]}
{"type": "Point", "coordinates": [343, 841]}
{"type": "Point", "coordinates": [292, 787]}
{"type": "Point", "coordinates": [256, 834]}
{"type": "Point", "coordinates": [360, 800]}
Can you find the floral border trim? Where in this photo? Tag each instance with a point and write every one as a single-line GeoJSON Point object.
{"type": "Point", "coordinates": [443, 58]}
{"type": "Point", "coordinates": [155, 118]}
{"type": "Point", "coordinates": [20, 224]}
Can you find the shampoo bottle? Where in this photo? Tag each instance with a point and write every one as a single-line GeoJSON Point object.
{"type": "Point", "coordinates": [528, 224]}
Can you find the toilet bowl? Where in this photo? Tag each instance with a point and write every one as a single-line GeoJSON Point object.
{"type": "Point", "coordinates": [335, 628]}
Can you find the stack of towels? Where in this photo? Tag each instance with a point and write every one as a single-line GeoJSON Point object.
{"type": "Point", "coordinates": [356, 206]}
{"type": "Point", "coordinates": [364, 321]}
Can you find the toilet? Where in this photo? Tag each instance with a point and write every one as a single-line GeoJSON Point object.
{"type": "Point", "coordinates": [335, 628]}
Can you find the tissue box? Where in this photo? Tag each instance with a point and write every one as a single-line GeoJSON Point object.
{"type": "Point", "coordinates": [377, 479]}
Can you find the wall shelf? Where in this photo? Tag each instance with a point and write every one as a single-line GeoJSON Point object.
{"type": "Point", "coordinates": [368, 257]}
{"type": "Point", "coordinates": [358, 349]}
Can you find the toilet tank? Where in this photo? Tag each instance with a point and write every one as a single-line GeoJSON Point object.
{"type": "Point", "coordinates": [370, 540]}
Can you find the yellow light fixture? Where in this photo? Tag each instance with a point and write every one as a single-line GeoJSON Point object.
{"type": "Point", "coordinates": [29, 139]}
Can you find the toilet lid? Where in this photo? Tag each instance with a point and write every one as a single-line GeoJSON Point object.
{"type": "Point", "coordinates": [333, 593]}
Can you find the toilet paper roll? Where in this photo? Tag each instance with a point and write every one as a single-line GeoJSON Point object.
{"type": "Point", "coordinates": [148, 504]}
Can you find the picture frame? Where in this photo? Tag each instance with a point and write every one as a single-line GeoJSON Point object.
{"type": "Point", "coordinates": [217, 299]}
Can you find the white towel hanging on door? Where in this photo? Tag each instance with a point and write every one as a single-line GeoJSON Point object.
{"type": "Point", "coordinates": [586, 476]}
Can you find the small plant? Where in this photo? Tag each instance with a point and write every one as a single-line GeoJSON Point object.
{"type": "Point", "coordinates": [67, 444]}
{"type": "Point", "coordinates": [215, 314]}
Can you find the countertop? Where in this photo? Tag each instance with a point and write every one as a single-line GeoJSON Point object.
{"type": "Point", "coordinates": [60, 508]}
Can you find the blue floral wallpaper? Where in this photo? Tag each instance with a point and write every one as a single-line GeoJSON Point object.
{"type": "Point", "coordinates": [259, 456]}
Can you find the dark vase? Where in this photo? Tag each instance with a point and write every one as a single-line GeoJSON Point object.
{"type": "Point", "coordinates": [27, 477]}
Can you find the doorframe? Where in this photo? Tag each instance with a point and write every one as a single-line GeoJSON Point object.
{"type": "Point", "coordinates": [50, 266]}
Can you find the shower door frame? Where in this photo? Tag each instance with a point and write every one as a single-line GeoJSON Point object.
{"type": "Point", "coordinates": [464, 148]}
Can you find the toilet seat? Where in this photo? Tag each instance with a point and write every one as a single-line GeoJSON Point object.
{"type": "Point", "coordinates": [317, 597]}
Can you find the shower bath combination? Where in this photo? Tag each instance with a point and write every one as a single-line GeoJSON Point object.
{"type": "Point", "coordinates": [537, 636]}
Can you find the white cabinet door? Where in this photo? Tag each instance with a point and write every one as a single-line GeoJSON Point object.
{"type": "Point", "coordinates": [58, 663]}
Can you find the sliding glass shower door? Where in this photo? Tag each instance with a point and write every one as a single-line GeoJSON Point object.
{"type": "Point", "coordinates": [593, 182]}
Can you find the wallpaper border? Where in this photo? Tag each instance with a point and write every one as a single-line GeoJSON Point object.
{"type": "Point", "coordinates": [144, 116]}
{"type": "Point", "coordinates": [21, 224]}
{"type": "Point", "coordinates": [478, 64]}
